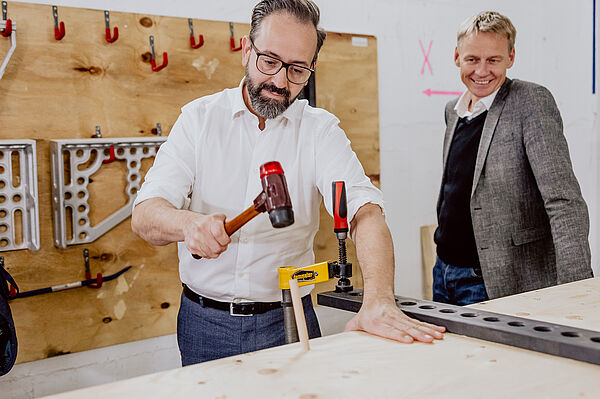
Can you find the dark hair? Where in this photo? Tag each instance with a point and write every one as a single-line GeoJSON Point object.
{"type": "Point", "coordinates": [304, 10]}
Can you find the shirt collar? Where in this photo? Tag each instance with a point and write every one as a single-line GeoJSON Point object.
{"type": "Point", "coordinates": [484, 104]}
{"type": "Point", "coordinates": [294, 111]}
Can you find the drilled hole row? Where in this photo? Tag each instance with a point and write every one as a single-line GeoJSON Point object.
{"type": "Point", "coordinates": [16, 198]}
{"type": "Point", "coordinates": [492, 319]}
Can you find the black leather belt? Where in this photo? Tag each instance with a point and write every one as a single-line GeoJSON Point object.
{"type": "Point", "coordinates": [234, 309]}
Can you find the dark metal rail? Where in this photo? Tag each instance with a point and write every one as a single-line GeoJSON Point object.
{"type": "Point", "coordinates": [539, 336]}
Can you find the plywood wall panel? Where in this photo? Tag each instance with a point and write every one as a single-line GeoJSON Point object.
{"type": "Point", "coordinates": [63, 89]}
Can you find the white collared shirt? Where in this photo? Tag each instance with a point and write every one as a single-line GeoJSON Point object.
{"type": "Point", "coordinates": [484, 104]}
{"type": "Point", "coordinates": [210, 164]}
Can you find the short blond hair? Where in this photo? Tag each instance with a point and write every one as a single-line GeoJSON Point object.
{"type": "Point", "coordinates": [488, 21]}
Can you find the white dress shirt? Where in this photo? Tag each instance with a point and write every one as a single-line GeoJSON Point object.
{"type": "Point", "coordinates": [210, 164]}
{"type": "Point", "coordinates": [484, 104]}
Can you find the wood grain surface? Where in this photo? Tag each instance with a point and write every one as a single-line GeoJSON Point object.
{"type": "Point", "coordinates": [63, 89]}
{"type": "Point", "coordinates": [359, 365]}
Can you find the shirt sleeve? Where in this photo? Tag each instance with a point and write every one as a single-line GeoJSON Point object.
{"type": "Point", "coordinates": [335, 161]}
{"type": "Point", "coordinates": [171, 176]}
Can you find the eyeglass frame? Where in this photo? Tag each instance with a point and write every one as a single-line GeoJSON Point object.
{"type": "Point", "coordinates": [283, 65]}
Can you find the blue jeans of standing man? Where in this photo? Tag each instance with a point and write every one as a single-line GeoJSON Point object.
{"type": "Point", "coordinates": [457, 285]}
{"type": "Point", "coordinates": [205, 333]}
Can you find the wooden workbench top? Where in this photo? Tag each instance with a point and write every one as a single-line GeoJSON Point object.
{"type": "Point", "coordinates": [356, 364]}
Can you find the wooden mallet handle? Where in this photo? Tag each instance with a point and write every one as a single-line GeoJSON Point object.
{"type": "Point", "coordinates": [237, 222]}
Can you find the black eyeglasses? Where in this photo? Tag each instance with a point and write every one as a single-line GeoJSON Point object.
{"type": "Point", "coordinates": [268, 65]}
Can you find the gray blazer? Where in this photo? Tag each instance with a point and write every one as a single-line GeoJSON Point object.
{"type": "Point", "coordinates": [530, 221]}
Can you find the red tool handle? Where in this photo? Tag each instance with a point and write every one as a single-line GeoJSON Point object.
{"type": "Point", "coordinates": [340, 207]}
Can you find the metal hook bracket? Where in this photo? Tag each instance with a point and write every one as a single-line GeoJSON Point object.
{"type": "Point", "coordinates": [193, 43]}
{"type": "Point", "coordinates": [232, 39]}
{"type": "Point", "coordinates": [115, 36]}
{"type": "Point", "coordinates": [165, 62]}
{"type": "Point", "coordinates": [59, 28]}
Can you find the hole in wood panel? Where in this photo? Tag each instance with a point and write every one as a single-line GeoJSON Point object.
{"type": "Point", "coordinates": [69, 222]}
{"type": "Point", "coordinates": [427, 307]}
{"type": "Point", "coordinates": [18, 227]}
{"type": "Point", "coordinates": [82, 235]}
{"type": "Point", "coordinates": [468, 314]}
{"type": "Point", "coordinates": [68, 195]}
{"type": "Point", "coordinates": [3, 228]}
{"type": "Point", "coordinates": [67, 166]}
{"type": "Point", "coordinates": [2, 184]}
{"type": "Point", "coordinates": [120, 151]}
{"type": "Point", "coordinates": [491, 319]}
{"type": "Point", "coordinates": [4, 243]}
{"type": "Point", "coordinates": [2, 213]}
{"type": "Point", "coordinates": [16, 198]}
{"type": "Point", "coordinates": [132, 151]}
{"type": "Point", "coordinates": [81, 208]}
{"type": "Point", "coordinates": [81, 222]}
{"type": "Point", "coordinates": [447, 311]}
{"type": "Point", "coordinates": [86, 165]}
{"type": "Point", "coordinates": [79, 153]}
{"type": "Point", "coordinates": [15, 159]}
{"type": "Point", "coordinates": [516, 324]}
{"type": "Point", "coordinates": [2, 199]}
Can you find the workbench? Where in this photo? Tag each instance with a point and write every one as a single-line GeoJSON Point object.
{"type": "Point", "coordinates": [359, 365]}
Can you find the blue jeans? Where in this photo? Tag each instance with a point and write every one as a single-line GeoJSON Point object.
{"type": "Point", "coordinates": [205, 333]}
{"type": "Point", "coordinates": [457, 285]}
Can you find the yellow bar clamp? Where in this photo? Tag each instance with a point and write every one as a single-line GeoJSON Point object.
{"type": "Point", "coordinates": [305, 275]}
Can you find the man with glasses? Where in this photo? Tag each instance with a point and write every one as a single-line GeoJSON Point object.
{"type": "Point", "coordinates": [207, 171]}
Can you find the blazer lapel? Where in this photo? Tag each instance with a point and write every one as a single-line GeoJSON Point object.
{"type": "Point", "coordinates": [487, 134]}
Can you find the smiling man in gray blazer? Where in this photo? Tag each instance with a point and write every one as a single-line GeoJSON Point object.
{"type": "Point", "coordinates": [510, 211]}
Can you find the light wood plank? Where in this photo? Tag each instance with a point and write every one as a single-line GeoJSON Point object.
{"type": "Point", "coordinates": [359, 365]}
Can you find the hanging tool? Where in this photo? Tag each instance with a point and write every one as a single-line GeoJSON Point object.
{"type": "Point", "coordinates": [115, 36]}
{"type": "Point", "coordinates": [192, 38]}
{"type": "Point", "coordinates": [319, 272]}
{"type": "Point", "coordinates": [232, 39]}
{"type": "Point", "coordinates": [153, 60]}
{"type": "Point", "coordinates": [274, 199]}
{"type": "Point", "coordinates": [62, 287]}
{"type": "Point", "coordinates": [59, 28]}
{"type": "Point", "coordinates": [6, 28]}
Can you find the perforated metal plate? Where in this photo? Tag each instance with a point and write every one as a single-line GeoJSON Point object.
{"type": "Point", "coordinates": [19, 210]}
{"type": "Point", "coordinates": [539, 336]}
{"type": "Point", "coordinates": [69, 184]}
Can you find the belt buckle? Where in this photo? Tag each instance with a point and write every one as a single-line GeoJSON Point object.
{"type": "Point", "coordinates": [231, 312]}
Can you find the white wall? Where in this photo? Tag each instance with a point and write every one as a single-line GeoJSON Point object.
{"type": "Point", "coordinates": [554, 48]}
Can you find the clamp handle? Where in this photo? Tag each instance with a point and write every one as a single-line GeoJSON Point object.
{"type": "Point", "coordinates": [340, 208]}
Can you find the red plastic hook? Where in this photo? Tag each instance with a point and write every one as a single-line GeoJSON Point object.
{"type": "Point", "coordinates": [115, 35]}
{"type": "Point", "coordinates": [59, 29]}
{"type": "Point", "coordinates": [8, 29]}
{"type": "Point", "coordinates": [232, 39]}
{"type": "Point", "coordinates": [165, 62]}
{"type": "Point", "coordinates": [193, 41]}
{"type": "Point", "coordinates": [161, 66]}
{"type": "Point", "coordinates": [98, 282]}
{"type": "Point", "coordinates": [111, 155]}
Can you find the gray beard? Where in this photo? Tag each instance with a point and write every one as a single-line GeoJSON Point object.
{"type": "Point", "coordinates": [268, 108]}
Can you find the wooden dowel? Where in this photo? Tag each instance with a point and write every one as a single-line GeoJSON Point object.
{"type": "Point", "coordinates": [299, 314]}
